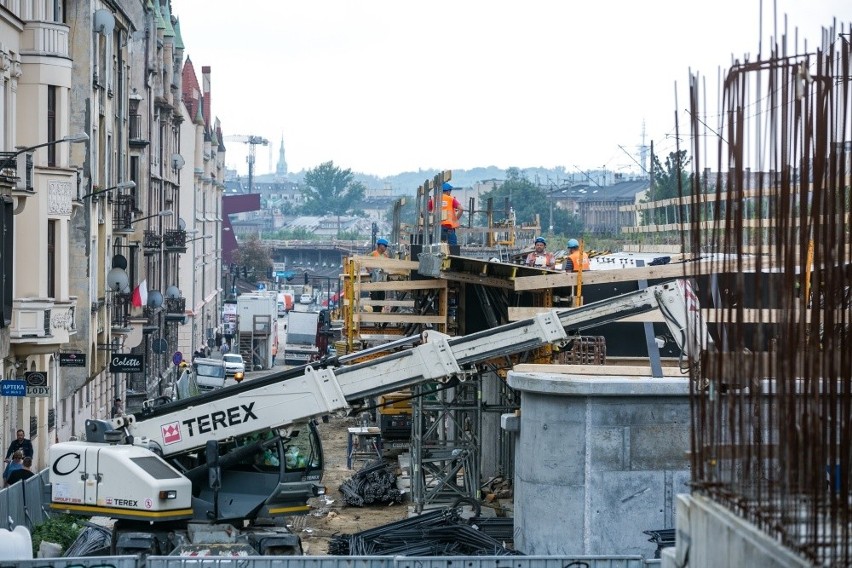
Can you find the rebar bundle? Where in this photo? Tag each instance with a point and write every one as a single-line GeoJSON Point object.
{"type": "Point", "coordinates": [373, 483]}
{"type": "Point", "coordinates": [772, 406]}
{"type": "Point", "coordinates": [436, 533]}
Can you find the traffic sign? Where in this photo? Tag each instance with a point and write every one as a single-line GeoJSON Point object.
{"type": "Point", "coordinates": [13, 388]}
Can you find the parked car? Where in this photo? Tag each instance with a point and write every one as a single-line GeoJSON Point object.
{"type": "Point", "coordinates": [306, 299]}
{"type": "Point", "coordinates": [234, 364]}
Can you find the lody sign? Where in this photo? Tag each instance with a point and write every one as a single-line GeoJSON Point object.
{"type": "Point", "coordinates": [126, 363]}
{"type": "Point", "coordinates": [37, 383]}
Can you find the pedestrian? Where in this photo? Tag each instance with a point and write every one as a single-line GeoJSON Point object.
{"type": "Point", "coordinates": [274, 352]}
{"type": "Point", "coordinates": [117, 407]}
{"type": "Point", "coordinates": [576, 262]}
{"type": "Point", "coordinates": [225, 348]}
{"type": "Point", "coordinates": [451, 212]}
{"type": "Point", "coordinates": [22, 473]}
{"type": "Point", "coordinates": [540, 257]}
{"type": "Point", "coordinates": [381, 248]}
{"type": "Point", "coordinates": [20, 443]}
{"type": "Point", "coordinates": [13, 465]}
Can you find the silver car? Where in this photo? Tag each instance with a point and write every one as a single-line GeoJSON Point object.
{"type": "Point", "coordinates": [234, 364]}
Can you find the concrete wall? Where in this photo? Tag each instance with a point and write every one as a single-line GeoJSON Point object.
{"type": "Point", "coordinates": [598, 461]}
{"type": "Point", "coordinates": [710, 535]}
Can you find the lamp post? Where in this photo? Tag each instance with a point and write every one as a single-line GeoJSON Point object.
{"type": "Point", "coordinates": [123, 185]}
{"type": "Point", "coordinates": [164, 213]}
{"type": "Point", "coordinates": [73, 138]}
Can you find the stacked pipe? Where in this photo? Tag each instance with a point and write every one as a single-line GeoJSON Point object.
{"type": "Point", "coordinates": [436, 533]}
{"type": "Point", "coordinates": [373, 483]}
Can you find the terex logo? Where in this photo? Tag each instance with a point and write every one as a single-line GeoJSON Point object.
{"type": "Point", "coordinates": [220, 419]}
{"type": "Point", "coordinates": [125, 502]}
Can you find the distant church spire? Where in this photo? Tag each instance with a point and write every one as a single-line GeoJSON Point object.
{"type": "Point", "coordinates": [281, 168]}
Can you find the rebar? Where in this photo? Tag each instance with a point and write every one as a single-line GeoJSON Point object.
{"type": "Point", "coordinates": [772, 409]}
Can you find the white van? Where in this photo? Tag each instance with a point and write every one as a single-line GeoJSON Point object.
{"type": "Point", "coordinates": [209, 373]}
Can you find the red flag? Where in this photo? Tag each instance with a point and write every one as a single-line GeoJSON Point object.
{"type": "Point", "coordinates": [140, 295]}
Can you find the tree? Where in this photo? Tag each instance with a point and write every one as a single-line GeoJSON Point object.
{"type": "Point", "coordinates": [331, 190]}
{"type": "Point", "coordinates": [669, 181]}
{"type": "Point", "coordinates": [252, 255]}
{"type": "Point", "coordinates": [529, 200]}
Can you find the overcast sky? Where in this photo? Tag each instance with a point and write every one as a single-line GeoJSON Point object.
{"type": "Point", "coordinates": [386, 86]}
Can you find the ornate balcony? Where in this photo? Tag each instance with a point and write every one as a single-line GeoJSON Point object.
{"type": "Point", "coordinates": [151, 241]}
{"type": "Point", "coordinates": [122, 214]}
{"type": "Point", "coordinates": [175, 309]}
{"type": "Point", "coordinates": [175, 240]}
{"type": "Point", "coordinates": [42, 321]}
{"type": "Point", "coordinates": [120, 312]}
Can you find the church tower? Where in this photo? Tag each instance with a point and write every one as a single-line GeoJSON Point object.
{"type": "Point", "coordinates": [281, 167]}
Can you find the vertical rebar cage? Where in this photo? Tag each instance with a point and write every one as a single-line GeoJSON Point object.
{"type": "Point", "coordinates": [772, 407]}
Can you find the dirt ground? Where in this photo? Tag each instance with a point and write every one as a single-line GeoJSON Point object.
{"type": "Point", "coordinates": [330, 516]}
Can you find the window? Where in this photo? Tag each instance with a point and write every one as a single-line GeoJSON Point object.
{"type": "Point", "coordinates": [51, 258]}
{"type": "Point", "coordinates": [51, 124]}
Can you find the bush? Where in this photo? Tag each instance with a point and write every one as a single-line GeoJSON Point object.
{"type": "Point", "coordinates": [60, 528]}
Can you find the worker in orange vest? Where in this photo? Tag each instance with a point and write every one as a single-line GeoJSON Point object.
{"type": "Point", "coordinates": [381, 248]}
{"type": "Point", "coordinates": [575, 263]}
{"type": "Point", "coordinates": [451, 211]}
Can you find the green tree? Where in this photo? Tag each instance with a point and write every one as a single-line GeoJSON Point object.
{"type": "Point", "coordinates": [529, 200]}
{"type": "Point", "coordinates": [669, 180]}
{"type": "Point", "coordinates": [331, 190]}
{"type": "Point", "coordinates": [254, 256]}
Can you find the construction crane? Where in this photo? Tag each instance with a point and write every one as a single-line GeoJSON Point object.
{"type": "Point", "coordinates": [252, 141]}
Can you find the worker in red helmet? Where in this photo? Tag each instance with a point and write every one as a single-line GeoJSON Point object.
{"type": "Point", "coordinates": [451, 211]}
{"type": "Point", "coordinates": [540, 257]}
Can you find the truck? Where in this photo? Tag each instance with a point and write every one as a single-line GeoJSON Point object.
{"type": "Point", "coordinates": [217, 472]}
{"type": "Point", "coordinates": [209, 373]}
{"type": "Point", "coordinates": [285, 303]}
{"type": "Point", "coordinates": [301, 346]}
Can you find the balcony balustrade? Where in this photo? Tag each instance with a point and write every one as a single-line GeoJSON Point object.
{"type": "Point", "coordinates": [42, 321]}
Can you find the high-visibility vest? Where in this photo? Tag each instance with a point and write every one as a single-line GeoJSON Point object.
{"type": "Point", "coordinates": [376, 253]}
{"type": "Point", "coordinates": [575, 260]}
{"type": "Point", "coordinates": [448, 212]}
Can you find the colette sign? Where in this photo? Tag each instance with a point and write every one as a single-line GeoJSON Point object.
{"type": "Point", "coordinates": [126, 363]}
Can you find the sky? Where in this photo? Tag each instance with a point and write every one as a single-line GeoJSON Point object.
{"type": "Point", "coordinates": [387, 86]}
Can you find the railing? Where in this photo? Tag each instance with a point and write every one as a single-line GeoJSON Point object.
{"type": "Point", "coordinates": [151, 240]}
{"type": "Point", "coordinates": [122, 213]}
{"type": "Point", "coordinates": [174, 239]}
{"type": "Point", "coordinates": [175, 305]}
{"type": "Point", "coordinates": [121, 304]}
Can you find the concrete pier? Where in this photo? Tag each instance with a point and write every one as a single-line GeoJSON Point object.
{"type": "Point", "coordinates": [599, 459]}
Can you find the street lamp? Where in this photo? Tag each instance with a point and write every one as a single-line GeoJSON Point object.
{"type": "Point", "coordinates": [73, 138]}
{"type": "Point", "coordinates": [199, 238]}
{"type": "Point", "coordinates": [164, 213]}
{"type": "Point", "coordinates": [123, 185]}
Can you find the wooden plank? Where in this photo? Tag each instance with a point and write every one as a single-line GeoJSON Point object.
{"type": "Point", "coordinates": [395, 303]}
{"type": "Point", "coordinates": [492, 281]}
{"type": "Point", "coordinates": [404, 285]}
{"type": "Point", "coordinates": [629, 371]}
{"type": "Point", "coordinates": [390, 264]}
{"type": "Point", "coordinates": [665, 271]}
{"type": "Point", "coordinates": [377, 317]}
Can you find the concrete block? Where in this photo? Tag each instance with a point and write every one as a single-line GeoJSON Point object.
{"type": "Point", "coordinates": [659, 446]}
{"type": "Point", "coordinates": [510, 422]}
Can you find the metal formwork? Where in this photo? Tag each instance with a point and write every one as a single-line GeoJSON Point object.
{"type": "Point", "coordinates": [445, 447]}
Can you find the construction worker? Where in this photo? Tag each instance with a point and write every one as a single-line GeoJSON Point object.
{"type": "Point", "coordinates": [451, 211]}
{"type": "Point", "coordinates": [540, 257]}
{"type": "Point", "coordinates": [574, 263]}
{"type": "Point", "coordinates": [381, 248]}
